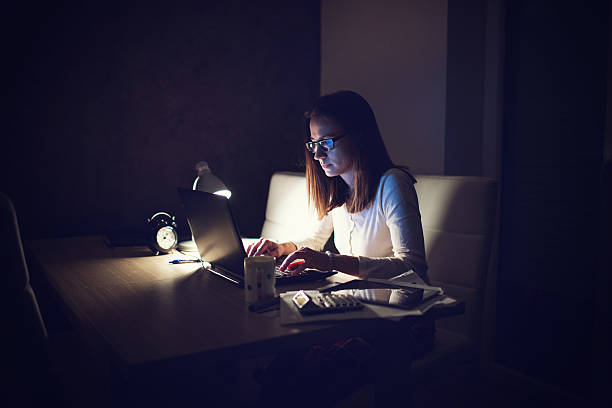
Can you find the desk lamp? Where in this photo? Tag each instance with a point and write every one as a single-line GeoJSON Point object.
{"type": "Point", "coordinates": [208, 182]}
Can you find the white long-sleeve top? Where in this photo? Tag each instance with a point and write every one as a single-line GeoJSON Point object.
{"type": "Point", "coordinates": [387, 237]}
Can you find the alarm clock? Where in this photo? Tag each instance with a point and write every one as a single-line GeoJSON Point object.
{"type": "Point", "coordinates": [162, 236]}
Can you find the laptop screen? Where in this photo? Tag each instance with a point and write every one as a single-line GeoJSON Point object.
{"type": "Point", "coordinates": [214, 231]}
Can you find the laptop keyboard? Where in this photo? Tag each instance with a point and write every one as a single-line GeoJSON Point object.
{"type": "Point", "coordinates": [286, 278]}
{"type": "Point", "coordinates": [284, 273]}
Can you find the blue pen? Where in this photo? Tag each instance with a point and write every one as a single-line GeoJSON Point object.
{"type": "Point", "coordinates": [180, 261]}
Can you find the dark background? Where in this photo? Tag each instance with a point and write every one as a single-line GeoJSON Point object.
{"type": "Point", "coordinates": [109, 107]}
{"type": "Point", "coordinates": [112, 105]}
{"type": "Point", "coordinates": [551, 255]}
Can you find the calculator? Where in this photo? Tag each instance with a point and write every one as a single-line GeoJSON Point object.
{"type": "Point", "coordinates": [325, 303]}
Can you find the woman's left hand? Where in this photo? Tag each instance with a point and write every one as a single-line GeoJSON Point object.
{"type": "Point", "coordinates": [311, 259]}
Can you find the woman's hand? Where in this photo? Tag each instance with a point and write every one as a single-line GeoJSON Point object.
{"type": "Point", "coordinates": [270, 248]}
{"type": "Point", "coordinates": [305, 258]}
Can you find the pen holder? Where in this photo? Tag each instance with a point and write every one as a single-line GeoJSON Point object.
{"type": "Point", "coordinates": [259, 279]}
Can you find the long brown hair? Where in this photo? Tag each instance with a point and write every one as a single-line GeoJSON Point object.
{"type": "Point", "coordinates": [368, 151]}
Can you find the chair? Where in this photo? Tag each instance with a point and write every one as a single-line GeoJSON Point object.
{"type": "Point", "coordinates": [25, 333]}
{"type": "Point", "coordinates": [17, 279]}
{"type": "Point", "coordinates": [44, 368]}
{"type": "Point", "coordinates": [459, 217]}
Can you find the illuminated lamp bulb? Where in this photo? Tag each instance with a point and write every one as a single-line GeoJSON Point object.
{"type": "Point", "coordinates": [208, 182]}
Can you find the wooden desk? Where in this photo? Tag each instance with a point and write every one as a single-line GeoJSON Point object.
{"type": "Point", "coordinates": [148, 312]}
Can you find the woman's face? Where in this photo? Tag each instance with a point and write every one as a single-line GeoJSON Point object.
{"type": "Point", "coordinates": [337, 161]}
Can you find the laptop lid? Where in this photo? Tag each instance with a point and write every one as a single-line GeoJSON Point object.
{"type": "Point", "coordinates": [215, 232]}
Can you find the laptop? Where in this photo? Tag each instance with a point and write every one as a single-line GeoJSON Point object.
{"type": "Point", "coordinates": [217, 238]}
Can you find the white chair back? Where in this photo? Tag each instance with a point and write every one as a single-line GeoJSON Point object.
{"type": "Point", "coordinates": [459, 217]}
{"type": "Point", "coordinates": [287, 210]}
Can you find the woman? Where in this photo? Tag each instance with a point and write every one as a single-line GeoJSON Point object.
{"type": "Point", "coordinates": [371, 207]}
{"type": "Point", "coordinates": [369, 204]}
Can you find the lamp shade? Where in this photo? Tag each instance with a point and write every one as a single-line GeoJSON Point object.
{"type": "Point", "coordinates": [208, 182]}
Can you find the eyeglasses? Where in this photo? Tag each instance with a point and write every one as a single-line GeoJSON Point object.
{"type": "Point", "coordinates": [325, 144]}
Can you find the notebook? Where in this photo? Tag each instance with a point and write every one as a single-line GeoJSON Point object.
{"type": "Point", "coordinates": [217, 238]}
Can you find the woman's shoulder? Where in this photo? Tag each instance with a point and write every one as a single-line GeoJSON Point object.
{"type": "Point", "coordinates": [397, 176]}
{"type": "Point", "coordinates": [396, 183]}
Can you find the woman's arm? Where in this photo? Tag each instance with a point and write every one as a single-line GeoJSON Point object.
{"type": "Point", "coordinates": [400, 211]}
{"type": "Point", "coordinates": [270, 248]}
{"type": "Point", "coordinates": [347, 264]}
{"type": "Point", "coordinates": [321, 261]}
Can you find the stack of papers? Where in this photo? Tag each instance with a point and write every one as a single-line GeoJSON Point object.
{"type": "Point", "coordinates": [290, 314]}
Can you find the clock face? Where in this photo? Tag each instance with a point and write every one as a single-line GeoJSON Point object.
{"type": "Point", "coordinates": [166, 237]}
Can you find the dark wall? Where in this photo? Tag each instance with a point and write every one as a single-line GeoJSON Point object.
{"type": "Point", "coordinates": [112, 105]}
{"type": "Point", "coordinates": [465, 64]}
{"type": "Point", "coordinates": [554, 116]}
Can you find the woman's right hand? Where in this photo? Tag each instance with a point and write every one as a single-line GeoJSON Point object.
{"type": "Point", "coordinates": [267, 247]}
